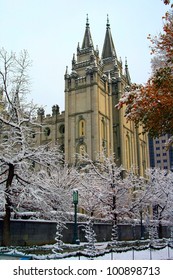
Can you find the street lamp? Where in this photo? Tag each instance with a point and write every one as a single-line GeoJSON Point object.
{"type": "Point", "coordinates": [75, 230]}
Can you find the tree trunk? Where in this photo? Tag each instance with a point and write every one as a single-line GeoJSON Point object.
{"type": "Point", "coordinates": [6, 236]}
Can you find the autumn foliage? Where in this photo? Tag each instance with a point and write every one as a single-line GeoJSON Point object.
{"type": "Point", "coordinates": [166, 2]}
{"type": "Point", "coordinates": [152, 104]}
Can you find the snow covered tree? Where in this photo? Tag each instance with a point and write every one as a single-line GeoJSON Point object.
{"type": "Point", "coordinates": [114, 193]}
{"type": "Point", "coordinates": [160, 196]}
{"type": "Point", "coordinates": [152, 104]}
{"type": "Point", "coordinates": [18, 152]}
{"type": "Point", "coordinates": [58, 246]}
{"type": "Point", "coordinates": [58, 196]}
{"type": "Point", "coordinates": [104, 192]}
{"type": "Point", "coordinates": [89, 192]}
{"type": "Point", "coordinates": [138, 189]}
{"type": "Point", "coordinates": [90, 236]}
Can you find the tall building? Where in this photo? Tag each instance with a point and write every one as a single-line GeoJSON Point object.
{"type": "Point", "coordinates": [160, 157]}
{"type": "Point", "coordinates": [91, 123]}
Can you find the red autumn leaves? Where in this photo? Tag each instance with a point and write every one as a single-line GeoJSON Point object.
{"type": "Point", "coordinates": [152, 104]}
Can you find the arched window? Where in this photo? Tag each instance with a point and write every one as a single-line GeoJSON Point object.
{"type": "Point", "coordinates": [62, 129]}
{"type": "Point", "coordinates": [81, 128]}
{"type": "Point", "coordinates": [47, 131]}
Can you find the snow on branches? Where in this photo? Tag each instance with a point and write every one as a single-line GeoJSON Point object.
{"type": "Point", "coordinates": [151, 105]}
{"type": "Point", "coordinates": [22, 159]}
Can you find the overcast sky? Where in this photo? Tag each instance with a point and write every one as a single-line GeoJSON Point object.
{"type": "Point", "coordinates": [51, 29]}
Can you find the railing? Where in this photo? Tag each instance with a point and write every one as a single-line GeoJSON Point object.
{"type": "Point", "coordinates": [149, 252]}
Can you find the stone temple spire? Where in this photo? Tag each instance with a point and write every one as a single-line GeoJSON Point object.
{"type": "Point", "coordinates": [127, 74]}
{"type": "Point", "coordinates": [87, 40]}
{"type": "Point", "coordinates": [108, 46]}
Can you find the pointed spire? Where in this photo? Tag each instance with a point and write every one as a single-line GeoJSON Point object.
{"type": "Point", "coordinates": [87, 21]}
{"type": "Point", "coordinates": [127, 74]}
{"type": "Point", "coordinates": [66, 76]}
{"type": "Point", "coordinates": [126, 65]}
{"type": "Point", "coordinates": [108, 47]}
{"type": "Point", "coordinates": [108, 25]}
{"type": "Point", "coordinates": [66, 71]}
{"type": "Point", "coordinates": [78, 47]}
{"type": "Point", "coordinates": [87, 40]}
{"type": "Point", "coordinates": [73, 59]}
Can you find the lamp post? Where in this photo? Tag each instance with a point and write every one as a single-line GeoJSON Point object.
{"type": "Point", "coordinates": [75, 230]}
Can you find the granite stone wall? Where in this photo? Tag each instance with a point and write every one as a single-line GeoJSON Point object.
{"type": "Point", "coordinates": [28, 232]}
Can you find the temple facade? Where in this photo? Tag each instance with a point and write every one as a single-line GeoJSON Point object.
{"type": "Point", "coordinates": [90, 123]}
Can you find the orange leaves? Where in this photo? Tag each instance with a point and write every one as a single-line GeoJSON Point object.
{"type": "Point", "coordinates": [152, 105]}
{"type": "Point", "coordinates": [166, 2]}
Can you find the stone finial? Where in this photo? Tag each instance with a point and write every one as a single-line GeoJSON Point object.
{"type": "Point", "coordinates": [73, 59]}
{"type": "Point", "coordinates": [126, 61]}
{"type": "Point", "coordinates": [78, 47]}
{"type": "Point", "coordinates": [66, 70]}
{"type": "Point", "coordinates": [66, 76]}
{"type": "Point", "coordinates": [40, 111]}
{"type": "Point", "coordinates": [55, 110]}
{"type": "Point", "coordinates": [126, 72]}
{"type": "Point", "coordinates": [87, 21]}
{"type": "Point", "coordinates": [108, 24]}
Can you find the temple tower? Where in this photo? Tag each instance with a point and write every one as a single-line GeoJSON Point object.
{"type": "Point", "coordinates": [92, 90]}
{"type": "Point", "coordinates": [88, 104]}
